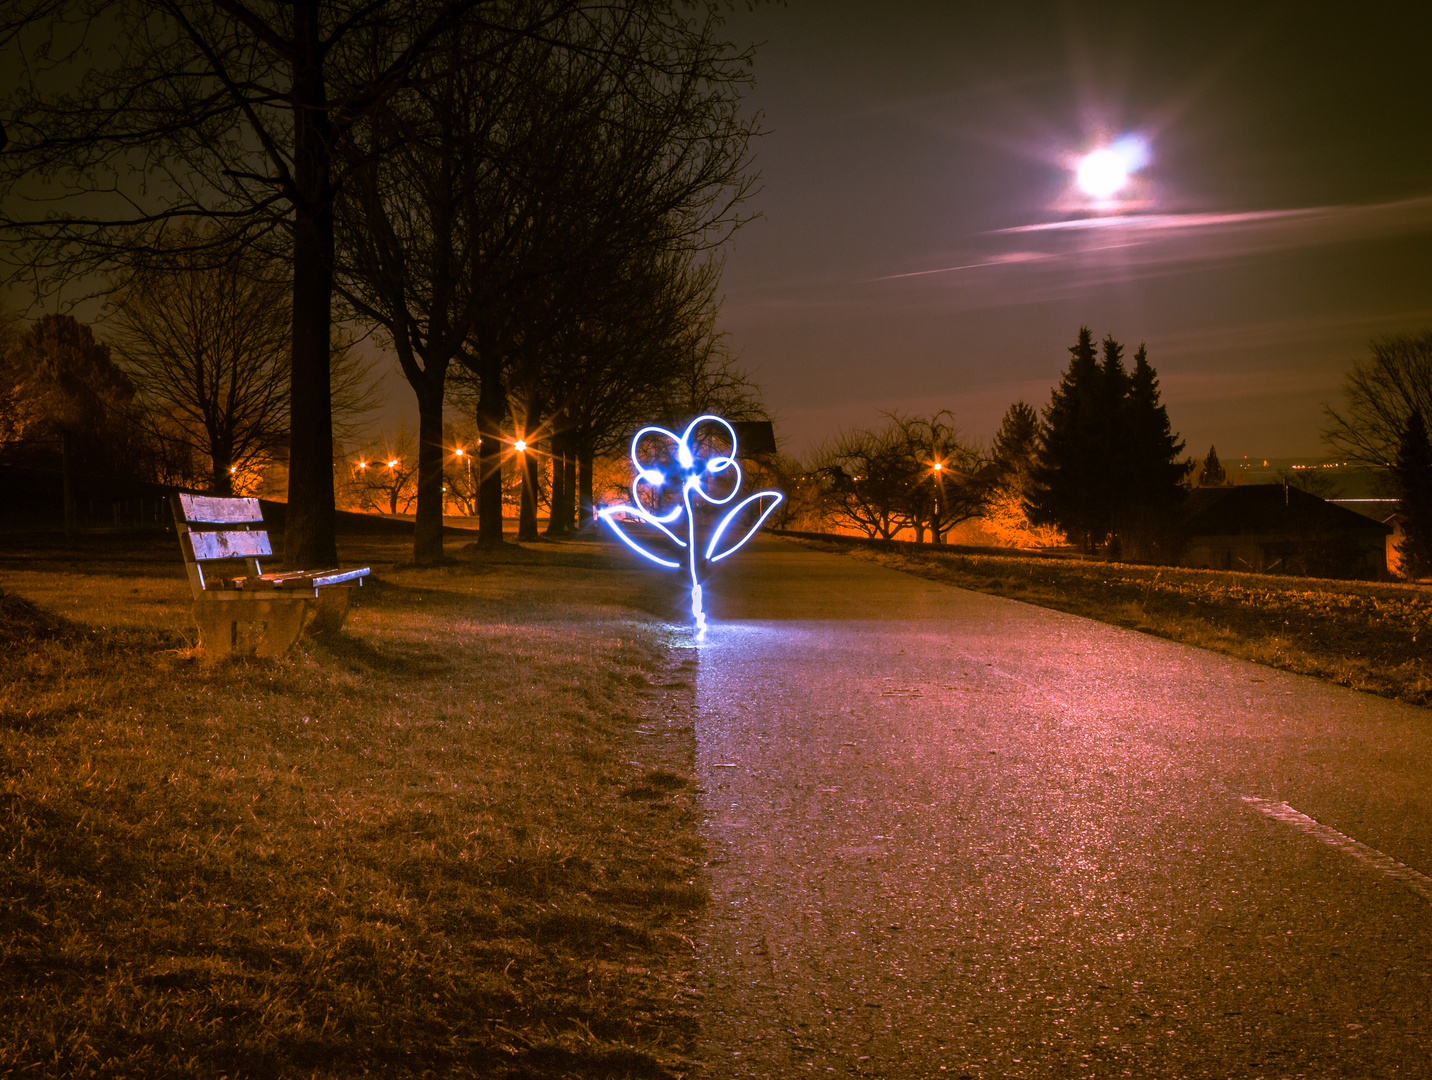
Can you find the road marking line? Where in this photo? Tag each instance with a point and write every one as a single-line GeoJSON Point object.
{"type": "Point", "coordinates": [1418, 882]}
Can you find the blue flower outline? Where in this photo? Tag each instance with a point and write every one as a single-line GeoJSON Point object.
{"type": "Point", "coordinates": [691, 472]}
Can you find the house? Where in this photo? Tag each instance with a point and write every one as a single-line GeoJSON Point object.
{"type": "Point", "coordinates": [1278, 529]}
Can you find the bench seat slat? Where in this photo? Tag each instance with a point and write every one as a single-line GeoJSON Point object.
{"type": "Point", "coordinates": [216, 510]}
{"type": "Point", "coordinates": [302, 579]}
{"type": "Point", "coordinates": [228, 545]}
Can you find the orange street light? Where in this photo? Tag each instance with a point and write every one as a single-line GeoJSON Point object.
{"type": "Point", "coordinates": [520, 445]}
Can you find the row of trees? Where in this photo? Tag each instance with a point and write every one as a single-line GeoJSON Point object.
{"type": "Point", "coordinates": [1102, 467]}
{"type": "Point", "coordinates": [528, 192]}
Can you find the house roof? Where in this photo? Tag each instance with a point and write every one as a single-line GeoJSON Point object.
{"type": "Point", "coordinates": [1269, 510]}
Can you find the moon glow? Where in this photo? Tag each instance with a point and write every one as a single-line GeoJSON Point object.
{"type": "Point", "coordinates": [1102, 174]}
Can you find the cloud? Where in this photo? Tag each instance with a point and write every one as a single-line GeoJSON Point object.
{"type": "Point", "coordinates": [1217, 234]}
{"type": "Point", "coordinates": [1071, 258]}
{"type": "Point", "coordinates": [996, 260]}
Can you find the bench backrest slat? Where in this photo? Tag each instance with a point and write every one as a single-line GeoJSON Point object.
{"type": "Point", "coordinates": [228, 545]}
{"type": "Point", "coordinates": [214, 510]}
{"type": "Point", "coordinates": [245, 539]}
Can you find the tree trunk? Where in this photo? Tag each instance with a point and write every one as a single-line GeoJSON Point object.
{"type": "Point", "coordinates": [221, 481]}
{"type": "Point", "coordinates": [569, 512]}
{"type": "Point", "coordinates": [531, 474]}
{"type": "Point", "coordinates": [558, 523]}
{"type": "Point", "coordinates": [491, 410]}
{"type": "Point", "coordinates": [428, 521]}
{"type": "Point", "coordinates": [586, 510]}
{"type": "Point", "coordinates": [308, 535]}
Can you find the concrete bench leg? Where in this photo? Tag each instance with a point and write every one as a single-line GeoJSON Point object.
{"type": "Point", "coordinates": [283, 623]}
{"type": "Point", "coordinates": [218, 632]}
{"type": "Point", "coordinates": [331, 609]}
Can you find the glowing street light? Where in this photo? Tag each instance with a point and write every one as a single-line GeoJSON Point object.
{"type": "Point", "coordinates": [520, 445]}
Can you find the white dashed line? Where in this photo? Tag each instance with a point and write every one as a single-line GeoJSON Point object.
{"type": "Point", "coordinates": [1418, 882]}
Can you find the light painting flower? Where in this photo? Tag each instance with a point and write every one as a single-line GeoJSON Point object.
{"type": "Point", "coordinates": [679, 477]}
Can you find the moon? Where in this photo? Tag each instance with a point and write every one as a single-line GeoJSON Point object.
{"type": "Point", "coordinates": [1102, 173]}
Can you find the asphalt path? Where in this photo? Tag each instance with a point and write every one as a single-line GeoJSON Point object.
{"type": "Point", "coordinates": [955, 835]}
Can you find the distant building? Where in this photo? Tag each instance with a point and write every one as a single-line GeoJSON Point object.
{"type": "Point", "coordinates": [1278, 529]}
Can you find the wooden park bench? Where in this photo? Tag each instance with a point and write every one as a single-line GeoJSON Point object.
{"type": "Point", "coordinates": [258, 612]}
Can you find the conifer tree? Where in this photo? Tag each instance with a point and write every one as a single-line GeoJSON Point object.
{"type": "Point", "coordinates": [1212, 473]}
{"type": "Point", "coordinates": [1156, 451]}
{"type": "Point", "coordinates": [1069, 488]}
{"type": "Point", "coordinates": [1015, 444]}
{"type": "Point", "coordinates": [1413, 473]}
{"type": "Point", "coordinates": [1107, 458]}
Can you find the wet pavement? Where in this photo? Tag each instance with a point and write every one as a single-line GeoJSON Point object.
{"type": "Point", "coordinates": [957, 836]}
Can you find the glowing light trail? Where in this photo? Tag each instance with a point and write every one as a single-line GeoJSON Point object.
{"type": "Point", "coordinates": [690, 470]}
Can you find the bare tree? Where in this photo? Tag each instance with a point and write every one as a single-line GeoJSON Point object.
{"type": "Point", "coordinates": [866, 476]}
{"type": "Point", "coordinates": [951, 480]}
{"type": "Point", "coordinates": [207, 347]}
{"type": "Point", "coordinates": [915, 472]}
{"type": "Point", "coordinates": [383, 473]}
{"type": "Point", "coordinates": [422, 212]}
{"type": "Point", "coordinates": [206, 342]}
{"type": "Point", "coordinates": [1381, 394]}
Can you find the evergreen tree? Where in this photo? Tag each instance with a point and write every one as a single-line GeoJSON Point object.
{"type": "Point", "coordinates": [1212, 473]}
{"type": "Point", "coordinates": [1015, 444]}
{"type": "Point", "coordinates": [1413, 473]}
{"type": "Point", "coordinates": [1107, 462]}
{"type": "Point", "coordinates": [1069, 485]}
{"type": "Point", "coordinates": [1157, 474]}
{"type": "Point", "coordinates": [1114, 434]}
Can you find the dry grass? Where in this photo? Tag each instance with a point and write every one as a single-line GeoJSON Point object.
{"type": "Point", "coordinates": [456, 839]}
{"type": "Point", "coordinates": [1369, 636]}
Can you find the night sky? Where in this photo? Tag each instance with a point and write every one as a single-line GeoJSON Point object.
{"type": "Point", "coordinates": [918, 246]}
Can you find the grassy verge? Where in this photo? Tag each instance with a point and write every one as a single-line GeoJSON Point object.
{"type": "Point", "coordinates": [456, 839]}
{"type": "Point", "coordinates": [1372, 637]}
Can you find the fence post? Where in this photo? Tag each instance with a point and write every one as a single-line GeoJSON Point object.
{"type": "Point", "coordinates": [67, 466]}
